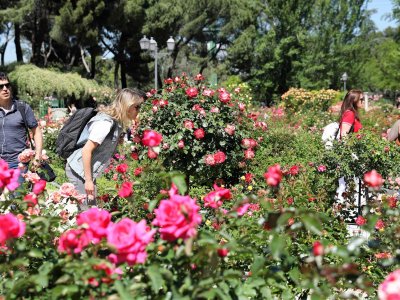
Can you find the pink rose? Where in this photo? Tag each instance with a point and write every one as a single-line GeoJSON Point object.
{"type": "Point", "coordinates": [151, 138]}
{"type": "Point", "coordinates": [199, 133]}
{"type": "Point", "coordinates": [8, 177]}
{"type": "Point", "coordinates": [74, 241]}
{"type": "Point", "coordinates": [321, 168]}
{"type": "Point", "coordinates": [68, 190]}
{"type": "Point", "coordinates": [360, 221]}
{"type": "Point", "coordinates": [130, 240]}
{"type": "Point", "coordinates": [214, 110]}
{"type": "Point", "coordinates": [380, 225]}
{"type": "Point", "coordinates": [237, 90]}
{"type": "Point", "coordinates": [214, 198]}
{"type": "Point", "coordinates": [242, 106]}
{"type": "Point", "coordinates": [39, 187]}
{"type": "Point", "coordinates": [10, 227]}
{"type": "Point", "coordinates": [242, 209]}
{"type": "Point", "coordinates": [389, 289]}
{"type": "Point", "coordinates": [230, 129]}
{"type": "Point", "coordinates": [151, 153]}
{"type": "Point", "coordinates": [126, 190]}
{"type": "Point", "coordinates": [192, 92]}
{"type": "Point", "coordinates": [208, 93]}
{"type": "Point", "coordinates": [274, 175]}
{"type": "Point", "coordinates": [224, 97]}
{"type": "Point", "coordinates": [294, 170]}
{"type": "Point", "coordinates": [188, 124]}
{"type": "Point", "coordinates": [168, 81]}
{"type": "Point", "coordinates": [181, 144]}
{"type": "Point", "coordinates": [373, 179]}
{"type": "Point", "coordinates": [199, 77]}
{"type": "Point", "coordinates": [96, 221]}
{"type": "Point", "coordinates": [219, 157]}
{"type": "Point", "coordinates": [31, 199]}
{"type": "Point", "coordinates": [209, 160]}
{"type": "Point", "coordinates": [249, 143]}
{"type": "Point", "coordinates": [248, 177]}
{"type": "Point", "coordinates": [138, 171]}
{"type": "Point", "coordinates": [249, 154]}
{"type": "Point", "coordinates": [177, 217]}
{"type": "Point", "coordinates": [26, 155]}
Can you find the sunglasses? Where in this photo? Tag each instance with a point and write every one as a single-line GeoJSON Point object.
{"type": "Point", "coordinates": [7, 85]}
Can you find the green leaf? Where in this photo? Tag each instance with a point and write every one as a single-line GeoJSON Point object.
{"type": "Point", "coordinates": [157, 282]}
{"type": "Point", "coordinates": [312, 223]}
{"type": "Point", "coordinates": [277, 245]}
{"type": "Point", "coordinates": [35, 253]}
{"type": "Point", "coordinates": [179, 181]}
{"type": "Point", "coordinates": [122, 292]}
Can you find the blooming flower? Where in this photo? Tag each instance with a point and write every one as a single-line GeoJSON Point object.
{"type": "Point", "coordinates": [249, 154]}
{"type": "Point", "coordinates": [26, 155]}
{"type": "Point", "coordinates": [130, 240]}
{"type": "Point", "coordinates": [192, 92]}
{"type": "Point", "coordinates": [8, 177]}
{"type": "Point", "coordinates": [74, 241]}
{"type": "Point", "coordinates": [318, 248]}
{"type": "Point", "coordinates": [274, 175]}
{"type": "Point", "coordinates": [224, 97]}
{"type": "Point", "coordinates": [214, 198]}
{"type": "Point", "coordinates": [39, 186]}
{"type": "Point", "coordinates": [96, 221]}
{"type": "Point", "coordinates": [199, 77]}
{"type": "Point", "coordinates": [31, 199]}
{"type": "Point", "coordinates": [199, 133]}
{"type": "Point", "coordinates": [151, 138]}
{"type": "Point", "coordinates": [380, 225]}
{"type": "Point", "coordinates": [360, 221]}
{"type": "Point", "coordinates": [373, 179]}
{"type": "Point", "coordinates": [321, 168]}
{"type": "Point", "coordinates": [294, 170]}
{"type": "Point", "coordinates": [389, 289]}
{"type": "Point", "coordinates": [219, 157]}
{"type": "Point", "coordinates": [122, 168]}
{"type": "Point", "coordinates": [230, 129]}
{"type": "Point", "coordinates": [242, 209]}
{"type": "Point", "coordinates": [188, 124]}
{"type": "Point", "coordinates": [151, 153]}
{"type": "Point", "coordinates": [181, 144]}
{"type": "Point", "coordinates": [222, 252]}
{"type": "Point", "coordinates": [10, 227]}
{"type": "Point", "coordinates": [126, 190]}
{"type": "Point", "coordinates": [208, 93]}
{"type": "Point", "coordinates": [177, 217]}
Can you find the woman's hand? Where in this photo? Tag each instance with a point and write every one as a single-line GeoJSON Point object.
{"type": "Point", "coordinates": [89, 189]}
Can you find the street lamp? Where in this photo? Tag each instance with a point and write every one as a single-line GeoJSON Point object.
{"type": "Point", "coordinates": [151, 45]}
{"type": "Point", "coordinates": [344, 78]}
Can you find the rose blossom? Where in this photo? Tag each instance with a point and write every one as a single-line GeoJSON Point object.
{"type": "Point", "coordinates": [360, 221]}
{"type": "Point", "coordinates": [242, 209]}
{"type": "Point", "coordinates": [122, 168]}
{"type": "Point", "coordinates": [74, 241]}
{"type": "Point", "coordinates": [8, 177]}
{"type": "Point", "coordinates": [151, 138]}
{"type": "Point", "coordinates": [230, 129]}
{"type": "Point", "coordinates": [224, 97]}
{"type": "Point", "coordinates": [177, 217]}
{"type": "Point", "coordinates": [130, 240]}
{"type": "Point", "coordinates": [242, 106]}
{"type": "Point", "coordinates": [39, 186]}
{"type": "Point", "coordinates": [219, 157]}
{"type": "Point", "coordinates": [249, 154]}
{"type": "Point", "coordinates": [10, 227]}
{"type": "Point", "coordinates": [380, 225]}
{"type": "Point", "coordinates": [214, 110]}
{"type": "Point", "coordinates": [208, 93]}
{"type": "Point", "coordinates": [192, 92]}
{"type": "Point", "coordinates": [188, 124]}
{"type": "Point", "coordinates": [26, 155]}
{"type": "Point", "coordinates": [199, 77]}
{"type": "Point", "coordinates": [318, 248]}
{"type": "Point", "coordinates": [138, 171]}
{"type": "Point", "coordinates": [96, 221]}
{"type": "Point", "coordinates": [274, 175]}
{"type": "Point", "coordinates": [31, 199]}
{"type": "Point", "coordinates": [373, 179]}
{"type": "Point", "coordinates": [209, 160]}
{"type": "Point", "coordinates": [126, 190]}
{"type": "Point", "coordinates": [31, 177]}
{"type": "Point", "coordinates": [181, 144]}
{"type": "Point", "coordinates": [213, 199]}
{"type": "Point", "coordinates": [321, 168]}
{"type": "Point", "coordinates": [249, 143]}
{"type": "Point", "coordinates": [389, 289]}
{"type": "Point", "coordinates": [151, 153]}
{"type": "Point", "coordinates": [199, 133]}
{"type": "Point", "coordinates": [222, 252]}
{"type": "Point", "coordinates": [294, 170]}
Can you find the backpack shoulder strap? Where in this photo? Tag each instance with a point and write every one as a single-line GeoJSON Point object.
{"type": "Point", "coordinates": [21, 106]}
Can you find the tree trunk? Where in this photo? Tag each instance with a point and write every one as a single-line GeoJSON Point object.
{"type": "Point", "coordinates": [92, 64]}
{"type": "Point", "coordinates": [116, 68]}
{"type": "Point", "coordinates": [17, 42]}
{"type": "Point", "coordinates": [123, 74]}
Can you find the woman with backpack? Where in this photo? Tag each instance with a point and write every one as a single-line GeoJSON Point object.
{"type": "Point", "coordinates": [349, 122]}
{"type": "Point", "coordinates": [100, 138]}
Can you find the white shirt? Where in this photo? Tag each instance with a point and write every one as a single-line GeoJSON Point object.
{"type": "Point", "coordinates": [98, 131]}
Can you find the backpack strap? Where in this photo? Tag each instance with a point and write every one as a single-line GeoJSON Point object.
{"type": "Point", "coordinates": [21, 106]}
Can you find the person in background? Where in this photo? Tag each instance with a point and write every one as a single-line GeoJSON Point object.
{"type": "Point", "coordinates": [13, 134]}
{"type": "Point", "coordinates": [72, 109]}
{"type": "Point", "coordinates": [349, 120]}
{"type": "Point", "coordinates": [102, 134]}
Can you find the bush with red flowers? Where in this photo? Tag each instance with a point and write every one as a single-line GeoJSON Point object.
{"type": "Point", "coordinates": [205, 130]}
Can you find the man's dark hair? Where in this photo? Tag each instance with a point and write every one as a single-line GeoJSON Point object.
{"type": "Point", "coordinates": [4, 76]}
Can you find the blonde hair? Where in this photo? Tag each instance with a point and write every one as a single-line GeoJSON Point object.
{"type": "Point", "coordinates": [118, 109]}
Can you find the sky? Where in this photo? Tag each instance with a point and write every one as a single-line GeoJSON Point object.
{"type": "Point", "coordinates": [382, 7]}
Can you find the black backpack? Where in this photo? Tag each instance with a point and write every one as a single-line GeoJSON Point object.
{"type": "Point", "coordinates": [69, 134]}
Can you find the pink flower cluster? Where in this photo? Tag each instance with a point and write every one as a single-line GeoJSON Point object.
{"type": "Point", "coordinates": [214, 198]}
{"type": "Point", "coordinates": [177, 217]}
{"type": "Point", "coordinates": [152, 140]}
{"type": "Point", "coordinates": [249, 145]}
{"type": "Point", "coordinates": [26, 155]}
{"type": "Point", "coordinates": [373, 179]}
{"type": "Point", "coordinates": [389, 289]}
{"type": "Point", "coordinates": [215, 159]}
{"type": "Point", "coordinates": [10, 227]}
{"type": "Point", "coordinates": [128, 238]}
{"type": "Point", "coordinates": [8, 177]}
{"type": "Point", "coordinates": [274, 175]}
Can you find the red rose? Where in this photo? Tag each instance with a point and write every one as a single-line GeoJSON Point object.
{"type": "Point", "coordinates": [122, 168]}
{"type": "Point", "coordinates": [138, 171]}
{"type": "Point", "coordinates": [192, 92]}
{"type": "Point", "coordinates": [219, 157]}
{"type": "Point", "coordinates": [361, 221]}
{"type": "Point", "coordinates": [222, 252]}
{"type": "Point", "coordinates": [274, 175]}
{"type": "Point", "coordinates": [151, 138]}
{"type": "Point", "coordinates": [126, 190]}
{"type": "Point", "coordinates": [151, 153]}
{"type": "Point", "coordinates": [224, 97]}
{"type": "Point", "coordinates": [318, 248]}
{"type": "Point", "coordinates": [199, 77]}
{"type": "Point", "coordinates": [39, 186]}
{"type": "Point", "coordinates": [373, 179]}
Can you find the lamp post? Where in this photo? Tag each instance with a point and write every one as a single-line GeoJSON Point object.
{"type": "Point", "coordinates": [344, 78]}
{"type": "Point", "coordinates": [151, 45]}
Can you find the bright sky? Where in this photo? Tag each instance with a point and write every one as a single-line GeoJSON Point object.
{"type": "Point", "coordinates": [383, 7]}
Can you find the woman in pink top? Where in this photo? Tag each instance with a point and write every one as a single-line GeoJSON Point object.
{"type": "Point", "coordinates": [349, 120]}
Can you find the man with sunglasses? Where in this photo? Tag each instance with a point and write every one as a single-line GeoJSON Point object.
{"type": "Point", "coordinates": [13, 135]}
